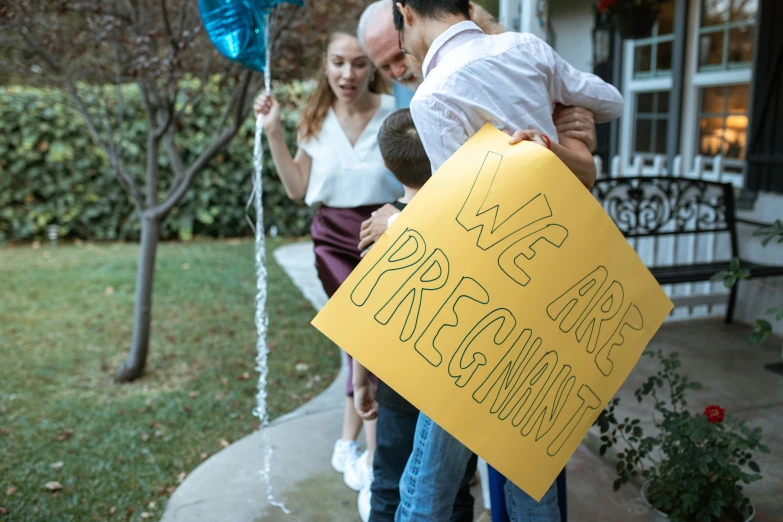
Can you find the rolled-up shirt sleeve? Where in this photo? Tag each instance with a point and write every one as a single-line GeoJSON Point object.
{"type": "Point", "coordinates": [572, 87]}
{"type": "Point", "coordinates": [441, 131]}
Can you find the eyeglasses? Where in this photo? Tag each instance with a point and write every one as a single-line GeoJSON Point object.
{"type": "Point", "coordinates": [399, 42]}
{"type": "Point", "coordinates": [399, 24]}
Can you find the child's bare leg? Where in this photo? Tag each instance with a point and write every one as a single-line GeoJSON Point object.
{"type": "Point", "coordinates": [352, 423]}
{"type": "Point", "coordinates": [369, 434]}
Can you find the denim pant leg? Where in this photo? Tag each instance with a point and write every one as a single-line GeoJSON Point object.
{"type": "Point", "coordinates": [394, 438]}
{"type": "Point", "coordinates": [463, 504]}
{"type": "Point", "coordinates": [521, 507]}
{"type": "Point", "coordinates": [433, 475]}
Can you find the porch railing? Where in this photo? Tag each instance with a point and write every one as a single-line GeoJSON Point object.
{"type": "Point", "coordinates": [692, 300]}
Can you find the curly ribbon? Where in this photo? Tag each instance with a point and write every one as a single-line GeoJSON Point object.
{"type": "Point", "coordinates": [261, 317]}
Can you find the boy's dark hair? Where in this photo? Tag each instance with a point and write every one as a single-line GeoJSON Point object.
{"type": "Point", "coordinates": [403, 151]}
{"type": "Point", "coordinates": [432, 9]}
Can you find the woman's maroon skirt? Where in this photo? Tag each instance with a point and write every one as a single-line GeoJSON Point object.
{"type": "Point", "coordinates": [335, 234]}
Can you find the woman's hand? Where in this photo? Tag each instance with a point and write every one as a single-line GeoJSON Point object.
{"type": "Point", "coordinates": [266, 104]}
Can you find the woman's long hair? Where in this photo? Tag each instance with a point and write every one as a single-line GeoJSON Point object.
{"type": "Point", "coordinates": [323, 97]}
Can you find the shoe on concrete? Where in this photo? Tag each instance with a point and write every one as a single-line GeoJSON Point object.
{"type": "Point", "coordinates": [358, 475]}
{"type": "Point", "coordinates": [364, 503]}
{"type": "Point", "coordinates": [345, 453]}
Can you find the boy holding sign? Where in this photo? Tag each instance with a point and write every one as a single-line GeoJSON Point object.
{"type": "Point", "coordinates": [513, 81]}
{"type": "Point", "coordinates": [404, 155]}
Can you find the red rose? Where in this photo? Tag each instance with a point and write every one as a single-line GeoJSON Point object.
{"type": "Point", "coordinates": [604, 5]}
{"type": "Point", "coordinates": [714, 413]}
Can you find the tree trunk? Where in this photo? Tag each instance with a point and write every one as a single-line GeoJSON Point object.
{"type": "Point", "coordinates": [133, 367]}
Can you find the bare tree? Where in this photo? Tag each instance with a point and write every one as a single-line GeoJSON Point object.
{"type": "Point", "coordinates": [152, 44]}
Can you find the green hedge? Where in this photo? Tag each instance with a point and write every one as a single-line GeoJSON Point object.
{"type": "Point", "coordinates": [52, 173]}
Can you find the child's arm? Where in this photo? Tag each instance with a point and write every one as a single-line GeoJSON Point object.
{"type": "Point", "coordinates": [575, 122]}
{"type": "Point", "coordinates": [577, 157]}
{"type": "Point", "coordinates": [571, 151]}
{"type": "Point", "coordinates": [363, 393]}
{"type": "Point", "coordinates": [570, 86]}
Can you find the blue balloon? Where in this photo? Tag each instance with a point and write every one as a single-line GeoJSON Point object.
{"type": "Point", "coordinates": [236, 29]}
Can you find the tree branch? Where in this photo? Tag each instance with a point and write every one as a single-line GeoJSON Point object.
{"type": "Point", "coordinates": [165, 13]}
{"type": "Point", "coordinates": [175, 158]}
{"type": "Point", "coordinates": [231, 102]}
{"type": "Point", "coordinates": [191, 100]}
{"type": "Point", "coordinates": [242, 110]}
{"type": "Point", "coordinates": [126, 180]}
{"type": "Point", "coordinates": [120, 99]}
{"type": "Point", "coordinates": [768, 286]}
{"type": "Point", "coordinates": [97, 11]}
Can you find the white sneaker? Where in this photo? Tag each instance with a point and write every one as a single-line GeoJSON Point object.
{"type": "Point", "coordinates": [364, 503]}
{"type": "Point", "coordinates": [359, 474]}
{"type": "Point", "coordinates": [345, 453]}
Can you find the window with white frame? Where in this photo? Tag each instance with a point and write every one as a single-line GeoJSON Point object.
{"type": "Point", "coordinates": [651, 119]}
{"type": "Point", "coordinates": [726, 34]}
{"type": "Point", "coordinates": [653, 56]}
{"type": "Point", "coordinates": [717, 81]}
{"type": "Point", "coordinates": [647, 81]}
{"type": "Point", "coordinates": [723, 61]}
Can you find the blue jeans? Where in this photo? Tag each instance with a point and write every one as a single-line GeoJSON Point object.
{"type": "Point", "coordinates": [521, 507]}
{"type": "Point", "coordinates": [395, 436]}
{"type": "Point", "coordinates": [433, 474]}
{"type": "Point", "coordinates": [432, 477]}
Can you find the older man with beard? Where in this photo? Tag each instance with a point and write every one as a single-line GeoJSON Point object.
{"type": "Point", "coordinates": [379, 39]}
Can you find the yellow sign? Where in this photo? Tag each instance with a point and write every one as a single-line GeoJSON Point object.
{"type": "Point", "coordinates": [503, 303]}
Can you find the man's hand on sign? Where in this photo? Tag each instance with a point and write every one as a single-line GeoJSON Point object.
{"type": "Point", "coordinates": [364, 400]}
{"type": "Point", "coordinates": [373, 228]}
{"type": "Point", "coordinates": [529, 135]}
{"type": "Point", "coordinates": [577, 123]}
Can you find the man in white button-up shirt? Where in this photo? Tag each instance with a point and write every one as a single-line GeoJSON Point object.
{"type": "Point", "coordinates": [513, 81]}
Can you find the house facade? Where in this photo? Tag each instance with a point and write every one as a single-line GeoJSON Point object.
{"type": "Point", "coordinates": [703, 97]}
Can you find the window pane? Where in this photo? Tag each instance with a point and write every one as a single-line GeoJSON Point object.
{"type": "Point", "coordinates": [723, 122]}
{"type": "Point", "coordinates": [711, 49]}
{"type": "Point", "coordinates": [666, 18]}
{"type": "Point", "coordinates": [743, 10]}
{"type": "Point", "coordinates": [735, 143]}
{"type": "Point", "coordinates": [714, 12]}
{"type": "Point", "coordinates": [741, 45]}
{"type": "Point", "coordinates": [642, 59]}
{"type": "Point", "coordinates": [644, 102]}
{"type": "Point", "coordinates": [643, 135]}
{"type": "Point", "coordinates": [710, 141]}
{"type": "Point", "coordinates": [736, 135]}
{"type": "Point", "coordinates": [713, 100]}
{"type": "Point", "coordinates": [738, 98]}
{"type": "Point", "coordinates": [660, 136]}
{"type": "Point", "coordinates": [663, 102]}
{"type": "Point", "coordinates": [664, 61]}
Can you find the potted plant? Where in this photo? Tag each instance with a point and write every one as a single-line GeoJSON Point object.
{"type": "Point", "coordinates": [695, 464]}
{"type": "Point", "coordinates": [762, 328]}
{"type": "Point", "coordinates": [632, 18]}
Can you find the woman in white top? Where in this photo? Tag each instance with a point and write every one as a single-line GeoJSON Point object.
{"type": "Point", "coordinates": [338, 168]}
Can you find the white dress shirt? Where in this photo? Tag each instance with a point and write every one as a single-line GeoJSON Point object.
{"type": "Point", "coordinates": [348, 176]}
{"type": "Point", "coordinates": [512, 80]}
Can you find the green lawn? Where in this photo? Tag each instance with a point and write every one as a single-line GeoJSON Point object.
{"type": "Point", "coordinates": [120, 450]}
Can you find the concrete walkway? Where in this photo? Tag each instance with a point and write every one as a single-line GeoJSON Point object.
{"type": "Point", "coordinates": [227, 487]}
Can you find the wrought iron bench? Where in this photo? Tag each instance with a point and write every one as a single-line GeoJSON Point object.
{"type": "Point", "coordinates": [663, 206]}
